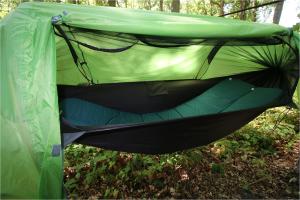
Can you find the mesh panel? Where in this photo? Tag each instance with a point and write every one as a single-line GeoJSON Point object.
{"type": "Point", "coordinates": [115, 42]}
{"type": "Point", "coordinates": [258, 53]}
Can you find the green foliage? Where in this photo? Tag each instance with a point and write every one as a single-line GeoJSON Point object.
{"type": "Point", "coordinates": [296, 27]}
{"type": "Point", "coordinates": [87, 166]}
{"type": "Point", "coordinates": [217, 168]}
{"type": "Point", "coordinates": [258, 162]}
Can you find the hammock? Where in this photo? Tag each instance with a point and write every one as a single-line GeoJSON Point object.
{"type": "Point", "coordinates": [166, 115]}
{"type": "Point", "coordinates": [129, 80]}
{"type": "Point", "coordinates": [96, 120]}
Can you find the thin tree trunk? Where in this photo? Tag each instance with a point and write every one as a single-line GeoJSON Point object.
{"type": "Point", "coordinates": [211, 8]}
{"type": "Point", "coordinates": [254, 15]}
{"type": "Point", "coordinates": [221, 7]}
{"type": "Point", "coordinates": [149, 5]}
{"type": "Point", "coordinates": [112, 3]}
{"type": "Point", "coordinates": [277, 12]}
{"type": "Point", "coordinates": [175, 6]}
{"type": "Point", "coordinates": [161, 5]}
{"type": "Point", "coordinates": [243, 6]}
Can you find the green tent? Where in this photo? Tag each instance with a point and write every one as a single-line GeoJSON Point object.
{"type": "Point", "coordinates": [129, 80]}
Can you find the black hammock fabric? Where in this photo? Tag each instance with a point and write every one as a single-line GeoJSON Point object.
{"type": "Point", "coordinates": [169, 135]}
{"type": "Point", "coordinates": [163, 137]}
{"type": "Point", "coordinates": [152, 96]}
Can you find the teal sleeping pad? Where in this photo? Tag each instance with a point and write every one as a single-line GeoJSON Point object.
{"type": "Point", "coordinates": [228, 95]}
{"type": "Point", "coordinates": [257, 97]}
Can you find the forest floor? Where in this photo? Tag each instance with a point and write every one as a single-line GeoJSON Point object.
{"type": "Point", "coordinates": [257, 161]}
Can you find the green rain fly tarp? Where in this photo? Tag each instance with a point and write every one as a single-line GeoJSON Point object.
{"type": "Point", "coordinates": [34, 60]}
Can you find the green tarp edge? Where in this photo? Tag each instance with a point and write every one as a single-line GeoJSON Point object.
{"type": "Point", "coordinates": [29, 109]}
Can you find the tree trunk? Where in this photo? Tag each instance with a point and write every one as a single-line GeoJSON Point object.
{"type": "Point", "coordinates": [112, 3]}
{"type": "Point", "coordinates": [161, 5]}
{"type": "Point", "coordinates": [175, 6]}
{"type": "Point", "coordinates": [149, 5]}
{"type": "Point", "coordinates": [254, 15]}
{"type": "Point", "coordinates": [221, 7]}
{"type": "Point", "coordinates": [277, 12]}
{"type": "Point", "coordinates": [211, 8]}
{"type": "Point", "coordinates": [243, 6]}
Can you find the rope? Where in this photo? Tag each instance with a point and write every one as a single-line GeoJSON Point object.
{"type": "Point", "coordinates": [258, 6]}
{"type": "Point", "coordinates": [279, 120]}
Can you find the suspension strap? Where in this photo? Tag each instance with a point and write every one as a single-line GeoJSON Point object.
{"type": "Point", "coordinates": [67, 40]}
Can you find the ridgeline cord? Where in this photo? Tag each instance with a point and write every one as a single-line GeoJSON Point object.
{"type": "Point", "coordinates": [253, 7]}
